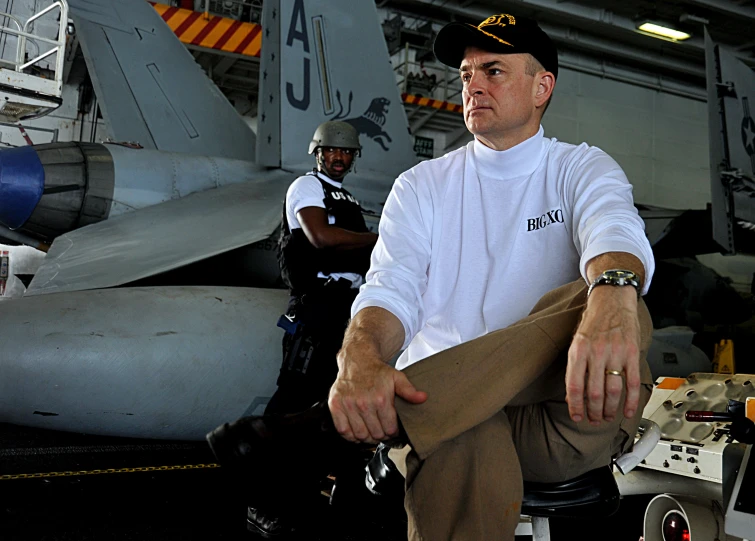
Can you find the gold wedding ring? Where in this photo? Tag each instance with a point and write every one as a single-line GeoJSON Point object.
{"type": "Point", "coordinates": [613, 372]}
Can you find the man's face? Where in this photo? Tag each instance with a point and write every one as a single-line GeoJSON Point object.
{"type": "Point", "coordinates": [335, 161]}
{"type": "Point", "coordinates": [499, 97]}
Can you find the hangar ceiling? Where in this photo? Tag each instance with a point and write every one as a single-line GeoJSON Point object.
{"type": "Point", "coordinates": [599, 37]}
{"type": "Point", "coordinates": [593, 36]}
{"type": "Point", "coordinates": [607, 30]}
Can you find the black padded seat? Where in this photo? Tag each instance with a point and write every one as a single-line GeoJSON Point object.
{"type": "Point", "coordinates": [592, 494]}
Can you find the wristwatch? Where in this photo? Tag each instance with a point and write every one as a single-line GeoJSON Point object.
{"type": "Point", "coordinates": [616, 277]}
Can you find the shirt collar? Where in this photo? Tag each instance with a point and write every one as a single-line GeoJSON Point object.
{"type": "Point", "coordinates": [518, 161]}
{"type": "Point", "coordinates": [326, 178]}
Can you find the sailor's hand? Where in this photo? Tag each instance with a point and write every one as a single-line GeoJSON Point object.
{"type": "Point", "coordinates": [361, 399]}
{"type": "Point", "coordinates": [607, 340]}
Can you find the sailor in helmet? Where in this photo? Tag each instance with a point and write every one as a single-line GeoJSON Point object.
{"type": "Point", "coordinates": [324, 253]}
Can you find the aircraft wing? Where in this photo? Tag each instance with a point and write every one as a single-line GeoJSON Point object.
{"type": "Point", "coordinates": [149, 87]}
{"type": "Point", "coordinates": [163, 237]}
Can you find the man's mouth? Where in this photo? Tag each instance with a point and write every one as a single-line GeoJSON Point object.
{"type": "Point", "coordinates": [476, 108]}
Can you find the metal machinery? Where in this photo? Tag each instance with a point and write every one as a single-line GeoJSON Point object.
{"type": "Point", "coordinates": [23, 93]}
{"type": "Point", "coordinates": [701, 480]}
{"type": "Point", "coordinates": [698, 463]}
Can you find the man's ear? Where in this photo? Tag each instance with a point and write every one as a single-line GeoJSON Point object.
{"type": "Point", "coordinates": [545, 84]}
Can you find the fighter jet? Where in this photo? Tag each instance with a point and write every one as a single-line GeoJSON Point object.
{"type": "Point", "coordinates": [142, 320]}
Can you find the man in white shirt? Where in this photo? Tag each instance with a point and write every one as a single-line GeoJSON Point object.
{"type": "Point", "coordinates": [480, 276]}
{"type": "Point", "coordinates": [468, 244]}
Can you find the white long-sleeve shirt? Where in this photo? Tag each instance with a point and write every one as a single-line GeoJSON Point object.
{"type": "Point", "coordinates": [469, 242]}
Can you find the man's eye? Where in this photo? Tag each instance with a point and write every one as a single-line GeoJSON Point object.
{"type": "Point", "coordinates": [466, 77]}
{"type": "Point", "coordinates": [494, 71]}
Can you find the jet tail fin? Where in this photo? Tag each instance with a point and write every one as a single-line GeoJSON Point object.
{"type": "Point", "coordinates": [328, 60]}
{"type": "Point", "coordinates": [731, 115]}
{"type": "Point", "coordinates": [149, 87]}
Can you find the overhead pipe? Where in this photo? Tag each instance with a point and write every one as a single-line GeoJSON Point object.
{"type": "Point", "coordinates": [636, 80]}
{"type": "Point", "coordinates": [727, 8]}
{"type": "Point", "coordinates": [583, 14]}
{"type": "Point", "coordinates": [576, 39]}
{"type": "Point", "coordinates": [592, 43]}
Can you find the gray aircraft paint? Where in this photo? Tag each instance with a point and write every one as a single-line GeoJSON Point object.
{"type": "Point", "coordinates": [147, 177]}
{"type": "Point", "coordinates": [269, 105]}
{"type": "Point", "coordinates": [68, 365]}
{"type": "Point", "coordinates": [168, 363]}
{"type": "Point", "coordinates": [105, 255]}
{"type": "Point", "coordinates": [331, 63]}
{"type": "Point", "coordinates": [731, 102]}
{"type": "Point", "coordinates": [162, 237]}
{"type": "Point", "coordinates": [149, 87]}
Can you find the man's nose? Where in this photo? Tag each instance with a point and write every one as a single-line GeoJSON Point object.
{"type": "Point", "coordinates": [476, 84]}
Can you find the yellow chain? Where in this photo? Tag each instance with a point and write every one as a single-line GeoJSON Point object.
{"type": "Point", "coordinates": [44, 475]}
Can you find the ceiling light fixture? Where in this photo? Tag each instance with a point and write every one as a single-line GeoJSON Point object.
{"type": "Point", "coordinates": [656, 30]}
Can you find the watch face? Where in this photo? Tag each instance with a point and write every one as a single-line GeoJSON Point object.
{"type": "Point", "coordinates": [619, 274]}
{"type": "Point", "coordinates": [616, 277]}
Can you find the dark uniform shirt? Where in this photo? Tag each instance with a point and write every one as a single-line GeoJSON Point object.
{"type": "Point", "coordinates": [300, 262]}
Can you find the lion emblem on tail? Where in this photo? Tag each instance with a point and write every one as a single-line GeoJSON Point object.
{"type": "Point", "coordinates": [371, 122]}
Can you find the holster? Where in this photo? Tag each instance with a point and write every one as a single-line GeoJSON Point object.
{"type": "Point", "coordinates": [299, 342]}
{"type": "Point", "coordinates": [309, 320]}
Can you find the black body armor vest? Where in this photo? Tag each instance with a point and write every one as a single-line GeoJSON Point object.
{"type": "Point", "coordinates": [300, 262]}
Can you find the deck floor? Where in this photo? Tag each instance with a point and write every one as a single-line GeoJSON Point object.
{"type": "Point", "coordinates": [183, 504]}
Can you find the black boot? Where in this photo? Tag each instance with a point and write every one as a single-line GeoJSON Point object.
{"type": "Point", "coordinates": [265, 442]}
{"type": "Point", "coordinates": [269, 525]}
{"type": "Point", "coordinates": [382, 476]}
{"type": "Point", "coordinates": [349, 491]}
{"type": "Point", "coordinates": [288, 503]}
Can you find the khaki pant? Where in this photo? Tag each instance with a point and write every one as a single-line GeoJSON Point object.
{"type": "Point", "coordinates": [496, 414]}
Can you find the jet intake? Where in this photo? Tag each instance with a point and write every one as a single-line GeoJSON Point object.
{"type": "Point", "coordinates": [79, 180]}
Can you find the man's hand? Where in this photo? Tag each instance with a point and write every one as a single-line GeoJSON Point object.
{"type": "Point", "coordinates": [607, 338]}
{"type": "Point", "coordinates": [361, 399]}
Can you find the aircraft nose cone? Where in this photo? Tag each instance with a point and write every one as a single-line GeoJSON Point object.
{"type": "Point", "coordinates": [22, 181]}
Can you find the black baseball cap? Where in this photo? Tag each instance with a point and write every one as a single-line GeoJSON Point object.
{"type": "Point", "coordinates": [501, 33]}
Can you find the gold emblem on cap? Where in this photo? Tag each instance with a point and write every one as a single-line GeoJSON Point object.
{"type": "Point", "coordinates": [503, 19]}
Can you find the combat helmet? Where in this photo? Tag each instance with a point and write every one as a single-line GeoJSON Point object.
{"type": "Point", "coordinates": [335, 133]}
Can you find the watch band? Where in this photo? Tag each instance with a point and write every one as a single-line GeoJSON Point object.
{"type": "Point", "coordinates": [616, 277]}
